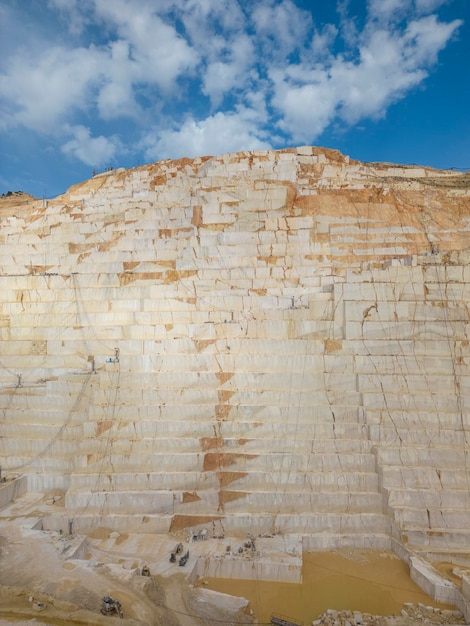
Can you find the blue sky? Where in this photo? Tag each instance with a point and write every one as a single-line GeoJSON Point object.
{"type": "Point", "coordinates": [88, 84]}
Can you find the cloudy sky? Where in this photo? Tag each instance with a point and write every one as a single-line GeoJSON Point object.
{"type": "Point", "coordinates": [88, 84]}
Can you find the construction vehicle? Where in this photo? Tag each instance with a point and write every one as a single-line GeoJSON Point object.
{"type": "Point", "coordinates": [111, 607]}
{"type": "Point", "coordinates": [177, 550]}
{"type": "Point", "coordinates": [183, 560]}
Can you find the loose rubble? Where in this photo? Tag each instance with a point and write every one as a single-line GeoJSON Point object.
{"type": "Point", "coordinates": [410, 614]}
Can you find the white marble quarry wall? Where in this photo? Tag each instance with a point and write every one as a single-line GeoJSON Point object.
{"type": "Point", "coordinates": [438, 588]}
{"type": "Point", "coordinates": [248, 569]}
{"type": "Point", "coordinates": [12, 489]}
{"type": "Point", "coordinates": [267, 340]}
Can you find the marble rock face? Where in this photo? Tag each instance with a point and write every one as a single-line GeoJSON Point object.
{"type": "Point", "coordinates": [257, 342]}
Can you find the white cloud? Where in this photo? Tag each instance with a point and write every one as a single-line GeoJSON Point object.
{"type": "Point", "coordinates": [425, 38]}
{"type": "Point", "coordinates": [160, 54]}
{"type": "Point", "coordinates": [209, 23]}
{"type": "Point", "coordinates": [282, 26]}
{"type": "Point", "coordinates": [229, 69]}
{"type": "Point", "coordinates": [395, 10]}
{"type": "Point", "coordinates": [366, 89]}
{"type": "Point", "coordinates": [74, 14]}
{"type": "Point", "coordinates": [93, 151]}
{"type": "Point", "coordinates": [388, 9]}
{"type": "Point", "coordinates": [222, 132]}
{"type": "Point", "coordinates": [222, 77]}
{"type": "Point", "coordinates": [115, 97]}
{"type": "Point", "coordinates": [309, 97]}
{"type": "Point", "coordinates": [426, 6]}
{"type": "Point", "coordinates": [323, 41]}
{"type": "Point", "coordinates": [45, 89]}
{"type": "Point", "coordinates": [42, 91]}
{"type": "Point", "coordinates": [306, 109]}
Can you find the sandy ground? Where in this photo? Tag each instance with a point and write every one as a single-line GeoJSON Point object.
{"type": "Point", "coordinates": [41, 580]}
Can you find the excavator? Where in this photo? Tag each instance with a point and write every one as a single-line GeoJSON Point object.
{"type": "Point", "coordinates": [111, 607]}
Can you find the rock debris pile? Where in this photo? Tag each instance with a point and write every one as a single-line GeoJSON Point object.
{"type": "Point", "coordinates": [410, 614]}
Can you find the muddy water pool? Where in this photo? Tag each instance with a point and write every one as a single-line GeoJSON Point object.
{"type": "Point", "coordinates": [371, 582]}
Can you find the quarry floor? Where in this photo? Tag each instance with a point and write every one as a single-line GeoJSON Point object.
{"type": "Point", "coordinates": [42, 582]}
